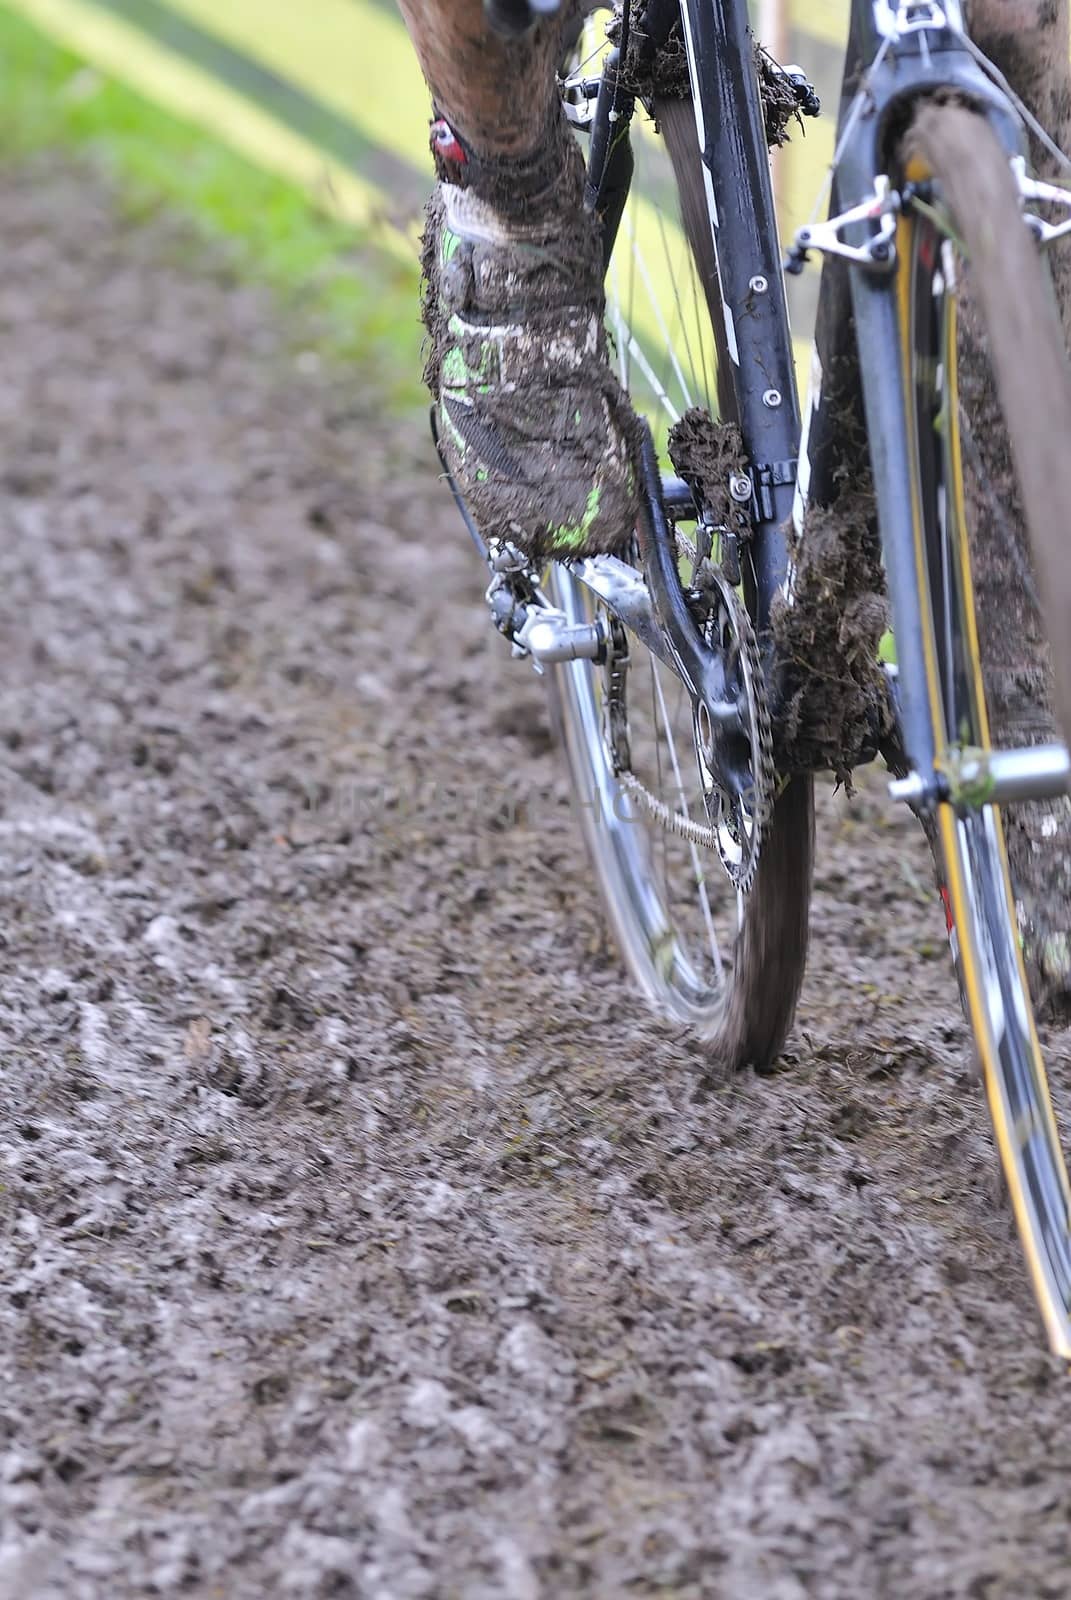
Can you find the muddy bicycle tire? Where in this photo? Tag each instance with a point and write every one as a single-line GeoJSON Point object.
{"type": "Point", "coordinates": [743, 1004]}
{"type": "Point", "coordinates": [1026, 346]}
{"type": "Point", "coordinates": [972, 235]}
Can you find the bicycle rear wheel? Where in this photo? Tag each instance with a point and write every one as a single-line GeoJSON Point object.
{"type": "Point", "coordinates": [726, 961]}
{"type": "Point", "coordinates": [939, 246]}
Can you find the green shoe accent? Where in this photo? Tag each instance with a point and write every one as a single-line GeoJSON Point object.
{"type": "Point", "coordinates": [454, 371]}
{"type": "Point", "coordinates": [572, 538]}
{"type": "Point", "coordinates": [532, 424]}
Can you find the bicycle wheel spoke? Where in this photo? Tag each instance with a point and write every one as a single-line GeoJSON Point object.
{"type": "Point", "coordinates": [621, 333]}
{"type": "Point", "coordinates": [656, 308]}
{"type": "Point", "coordinates": [645, 223]}
{"type": "Point", "coordinates": [680, 319]}
{"type": "Point", "coordinates": [700, 340]}
{"type": "Point", "coordinates": [700, 877]}
{"type": "Point", "coordinates": [663, 839]}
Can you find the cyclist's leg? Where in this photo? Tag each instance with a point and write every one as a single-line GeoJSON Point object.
{"type": "Point", "coordinates": [497, 93]}
{"type": "Point", "coordinates": [533, 424]}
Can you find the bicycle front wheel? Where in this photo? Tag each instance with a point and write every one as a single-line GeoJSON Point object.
{"type": "Point", "coordinates": [944, 243]}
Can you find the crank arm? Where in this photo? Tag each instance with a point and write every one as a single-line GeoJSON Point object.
{"type": "Point", "coordinates": [623, 591]}
{"type": "Point", "coordinates": [540, 631]}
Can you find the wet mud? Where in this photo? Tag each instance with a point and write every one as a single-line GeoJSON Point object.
{"type": "Point", "coordinates": [362, 1234]}
{"type": "Point", "coordinates": [707, 454]}
{"type": "Point", "coordinates": [532, 421]}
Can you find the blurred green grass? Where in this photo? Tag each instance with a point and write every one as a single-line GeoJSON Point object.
{"type": "Point", "coordinates": [357, 302]}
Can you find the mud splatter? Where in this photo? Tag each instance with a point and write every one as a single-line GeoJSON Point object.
{"type": "Point", "coordinates": [707, 454]}
{"type": "Point", "coordinates": [361, 1232]}
{"type": "Point", "coordinates": [657, 69]}
{"type": "Point", "coordinates": [780, 106]}
{"type": "Point", "coordinates": [836, 703]}
{"type": "Point", "coordinates": [653, 69]}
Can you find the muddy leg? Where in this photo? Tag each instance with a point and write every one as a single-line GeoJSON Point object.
{"type": "Point", "coordinates": [498, 94]}
{"type": "Point", "coordinates": [531, 422]}
{"type": "Point", "coordinates": [1028, 40]}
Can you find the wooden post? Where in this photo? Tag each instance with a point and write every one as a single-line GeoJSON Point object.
{"type": "Point", "coordinates": [773, 35]}
{"type": "Point", "coordinates": [773, 28]}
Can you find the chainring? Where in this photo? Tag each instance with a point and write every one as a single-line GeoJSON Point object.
{"type": "Point", "coordinates": [734, 829]}
{"type": "Point", "coordinates": [739, 818]}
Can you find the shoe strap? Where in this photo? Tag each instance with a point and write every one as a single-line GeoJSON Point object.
{"type": "Point", "coordinates": [471, 217]}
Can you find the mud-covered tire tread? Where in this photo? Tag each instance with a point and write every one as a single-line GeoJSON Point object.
{"type": "Point", "coordinates": [1014, 295]}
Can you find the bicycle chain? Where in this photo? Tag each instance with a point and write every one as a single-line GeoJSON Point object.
{"type": "Point", "coordinates": [708, 835]}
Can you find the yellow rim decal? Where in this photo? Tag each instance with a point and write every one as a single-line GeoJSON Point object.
{"type": "Point", "coordinates": [1052, 1311]}
{"type": "Point", "coordinates": [962, 534]}
{"type": "Point", "coordinates": [904, 286]}
{"type": "Point", "coordinates": [958, 510]}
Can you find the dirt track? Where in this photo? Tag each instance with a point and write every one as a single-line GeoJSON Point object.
{"type": "Point", "coordinates": [360, 1235]}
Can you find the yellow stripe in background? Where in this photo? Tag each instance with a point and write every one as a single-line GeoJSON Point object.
{"type": "Point", "coordinates": [825, 20]}
{"type": "Point", "coordinates": [355, 58]}
{"type": "Point", "coordinates": [136, 59]}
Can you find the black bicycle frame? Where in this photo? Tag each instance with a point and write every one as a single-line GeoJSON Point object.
{"type": "Point", "coordinates": [758, 389]}
{"type": "Point", "coordinates": [735, 153]}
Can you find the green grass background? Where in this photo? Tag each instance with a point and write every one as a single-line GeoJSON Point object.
{"type": "Point", "coordinates": [360, 302]}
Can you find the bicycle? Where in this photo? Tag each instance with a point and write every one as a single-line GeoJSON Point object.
{"type": "Point", "coordinates": [670, 683]}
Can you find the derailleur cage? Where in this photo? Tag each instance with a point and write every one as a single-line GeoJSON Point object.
{"type": "Point", "coordinates": [535, 628]}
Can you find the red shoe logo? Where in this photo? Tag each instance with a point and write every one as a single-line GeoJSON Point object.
{"type": "Point", "coordinates": [445, 143]}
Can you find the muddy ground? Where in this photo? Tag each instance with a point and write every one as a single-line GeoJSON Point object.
{"type": "Point", "coordinates": [361, 1234]}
